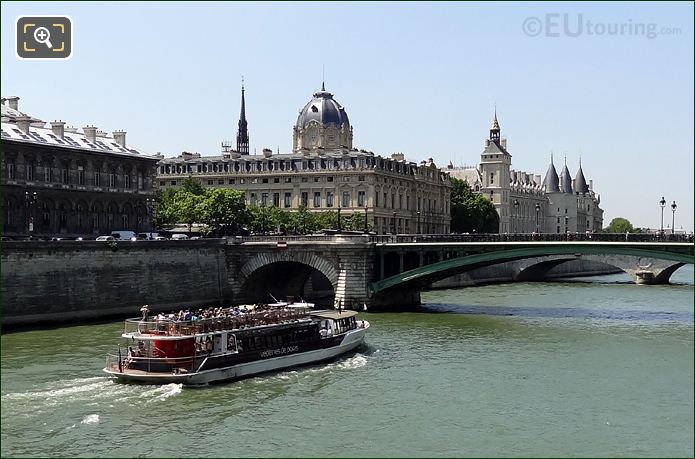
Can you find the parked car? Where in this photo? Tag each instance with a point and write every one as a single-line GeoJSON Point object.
{"type": "Point", "coordinates": [106, 238]}
{"type": "Point", "coordinates": [178, 237]}
{"type": "Point", "coordinates": [159, 238]}
{"type": "Point", "coordinates": [124, 235]}
{"type": "Point", "coordinates": [149, 236]}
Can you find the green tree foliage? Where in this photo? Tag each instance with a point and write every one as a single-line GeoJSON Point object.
{"type": "Point", "coordinates": [193, 186]}
{"type": "Point", "coordinates": [619, 225]}
{"type": "Point", "coordinates": [223, 210]}
{"type": "Point", "coordinates": [471, 212]}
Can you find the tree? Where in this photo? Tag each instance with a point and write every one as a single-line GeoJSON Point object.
{"type": "Point", "coordinates": [620, 225]}
{"type": "Point", "coordinates": [470, 211]}
{"type": "Point", "coordinates": [224, 210]}
{"type": "Point", "coordinates": [187, 207]}
{"type": "Point", "coordinates": [193, 186]}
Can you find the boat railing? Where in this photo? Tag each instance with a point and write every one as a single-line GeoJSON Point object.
{"type": "Point", "coordinates": [170, 327]}
{"type": "Point", "coordinates": [115, 362]}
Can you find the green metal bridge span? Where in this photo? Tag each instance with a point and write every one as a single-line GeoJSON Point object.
{"type": "Point", "coordinates": [414, 265]}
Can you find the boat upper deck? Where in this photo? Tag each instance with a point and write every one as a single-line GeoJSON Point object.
{"type": "Point", "coordinates": [219, 319]}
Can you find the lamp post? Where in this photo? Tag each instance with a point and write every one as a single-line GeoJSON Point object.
{"type": "Point", "coordinates": [366, 225]}
{"type": "Point", "coordinates": [339, 218]}
{"type": "Point", "coordinates": [516, 215]}
{"type": "Point", "coordinates": [394, 223]}
{"type": "Point", "coordinates": [31, 199]}
{"type": "Point", "coordinates": [150, 212]}
{"type": "Point", "coordinates": [538, 209]}
{"type": "Point", "coordinates": [673, 221]}
{"type": "Point", "coordinates": [418, 222]}
{"type": "Point", "coordinates": [662, 203]}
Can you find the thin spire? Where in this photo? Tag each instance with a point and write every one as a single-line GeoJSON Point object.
{"type": "Point", "coordinates": [242, 138]}
{"type": "Point", "coordinates": [551, 156]}
{"type": "Point", "coordinates": [323, 77]}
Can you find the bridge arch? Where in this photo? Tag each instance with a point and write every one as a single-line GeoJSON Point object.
{"type": "Point", "coordinates": [287, 273]}
{"type": "Point", "coordinates": [630, 259]}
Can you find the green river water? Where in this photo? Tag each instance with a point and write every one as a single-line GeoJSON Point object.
{"type": "Point", "coordinates": [588, 367]}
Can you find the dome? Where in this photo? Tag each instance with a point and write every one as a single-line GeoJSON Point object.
{"type": "Point", "coordinates": [323, 109]}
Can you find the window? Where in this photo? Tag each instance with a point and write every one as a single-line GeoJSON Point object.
{"type": "Point", "coordinates": [346, 199]}
{"type": "Point", "coordinates": [242, 181]}
{"type": "Point", "coordinates": [210, 182]}
{"type": "Point", "coordinates": [276, 180]}
{"type": "Point", "coordinates": [173, 182]}
{"type": "Point", "coordinates": [288, 179]}
{"type": "Point", "coordinates": [346, 178]}
{"type": "Point", "coordinates": [265, 180]}
{"type": "Point", "coordinates": [162, 182]}
{"type": "Point", "coordinates": [288, 200]}
{"type": "Point", "coordinates": [329, 199]}
{"type": "Point", "coordinates": [317, 199]}
{"type": "Point", "coordinates": [30, 172]}
{"type": "Point", "coordinates": [305, 198]}
{"type": "Point", "coordinates": [97, 178]}
{"type": "Point", "coordinates": [360, 178]}
{"type": "Point", "coordinates": [360, 198]}
{"type": "Point", "coordinates": [276, 199]}
{"type": "Point", "coordinates": [48, 174]}
{"type": "Point", "coordinates": [253, 199]}
{"type": "Point", "coordinates": [492, 178]}
{"type": "Point", "coordinates": [407, 202]}
{"type": "Point", "coordinates": [80, 177]}
{"type": "Point", "coordinates": [10, 171]}
{"type": "Point", "coordinates": [386, 199]}
{"type": "Point", "coordinates": [220, 182]}
{"type": "Point", "coordinates": [264, 199]}
{"type": "Point", "coordinates": [305, 179]}
{"type": "Point", "coordinates": [329, 179]}
{"type": "Point", "coordinates": [231, 181]}
{"type": "Point", "coordinates": [393, 200]}
{"type": "Point", "coordinates": [317, 179]}
{"type": "Point", "coordinates": [376, 199]}
{"type": "Point", "coordinates": [65, 176]}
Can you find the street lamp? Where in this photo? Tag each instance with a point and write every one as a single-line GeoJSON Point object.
{"type": "Point", "coordinates": [538, 209]}
{"type": "Point", "coordinates": [516, 214]}
{"type": "Point", "coordinates": [662, 203]}
{"type": "Point", "coordinates": [366, 226]}
{"type": "Point", "coordinates": [31, 199]}
{"type": "Point", "coordinates": [151, 211]}
{"type": "Point", "coordinates": [673, 222]}
{"type": "Point", "coordinates": [418, 222]}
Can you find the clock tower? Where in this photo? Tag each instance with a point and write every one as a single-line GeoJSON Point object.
{"type": "Point", "coordinates": [495, 165]}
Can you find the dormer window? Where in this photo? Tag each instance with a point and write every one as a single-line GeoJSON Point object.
{"type": "Point", "coordinates": [314, 109]}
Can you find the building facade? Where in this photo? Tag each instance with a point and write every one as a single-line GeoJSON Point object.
{"type": "Point", "coordinates": [58, 182]}
{"type": "Point", "coordinates": [324, 172]}
{"type": "Point", "coordinates": [525, 204]}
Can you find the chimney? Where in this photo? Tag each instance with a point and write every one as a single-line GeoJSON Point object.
{"type": "Point", "coordinates": [591, 185]}
{"type": "Point", "coordinates": [58, 128]}
{"type": "Point", "coordinates": [71, 129]}
{"type": "Point", "coordinates": [23, 123]}
{"type": "Point", "coordinates": [14, 102]}
{"type": "Point", "coordinates": [119, 137]}
{"type": "Point", "coordinates": [90, 133]}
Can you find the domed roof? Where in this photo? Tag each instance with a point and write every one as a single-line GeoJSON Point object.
{"type": "Point", "coordinates": [323, 109]}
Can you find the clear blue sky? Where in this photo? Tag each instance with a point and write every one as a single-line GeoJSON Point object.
{"type": "Point", "coordinates": [415, 78]}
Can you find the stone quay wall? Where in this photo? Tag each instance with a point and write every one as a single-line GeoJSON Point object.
{"type": "Point", "coordinates": [80, 280]}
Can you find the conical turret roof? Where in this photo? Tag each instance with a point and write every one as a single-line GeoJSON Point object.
{"type": "Point", "coordinates": [579, 181]}
{"type": "Point", "coordinates": [566, 180]}
{"type": "Point", "coordinates": [551, 180]}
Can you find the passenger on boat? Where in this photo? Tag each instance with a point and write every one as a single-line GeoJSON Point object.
{"type": "Point", "coordinates": [145, 310]}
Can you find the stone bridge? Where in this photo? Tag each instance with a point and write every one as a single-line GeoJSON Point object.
{"type": "Point", "coordinates": [73, 280]}
{"type": "Point", "coordinates": [385, 271]}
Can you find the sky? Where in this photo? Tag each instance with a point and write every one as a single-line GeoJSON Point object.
{"type": "Point", "coordinates": [611, 83]}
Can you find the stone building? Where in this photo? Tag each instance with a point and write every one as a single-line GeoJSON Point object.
{"type": "Point", "coordinates": [526, 204]}
{"type": "Point", "coordinates": [58, 182]}
{"type": "Point", "coordinates": [324, 172]}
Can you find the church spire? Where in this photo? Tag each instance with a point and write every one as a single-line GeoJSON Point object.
{"type": "Point", "coordinates": [242, 137]}
{"type": "Point", "coordinates": [495, 128]}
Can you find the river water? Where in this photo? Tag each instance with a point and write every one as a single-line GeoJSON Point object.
{"type": "Point", "coordinates": [588, 367]}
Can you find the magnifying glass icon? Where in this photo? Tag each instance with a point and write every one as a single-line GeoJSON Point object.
{"type": "Point", "coordinates": [42, 35]}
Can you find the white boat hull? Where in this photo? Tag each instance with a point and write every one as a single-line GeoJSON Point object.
{"type": "Point", "coordinates": [350, 341]}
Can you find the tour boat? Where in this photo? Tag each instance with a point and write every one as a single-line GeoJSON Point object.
{"type": "Point", "coordinates": [231, 344]}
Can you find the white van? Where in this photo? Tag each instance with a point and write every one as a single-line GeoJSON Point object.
{"type": "Point", "coordinates": [179, 237]}
{"type": "Point", "coordinates": [124, 235]}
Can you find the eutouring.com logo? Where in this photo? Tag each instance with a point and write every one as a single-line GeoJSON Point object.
{"type": "Point", "coordinates": [570, 25]}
